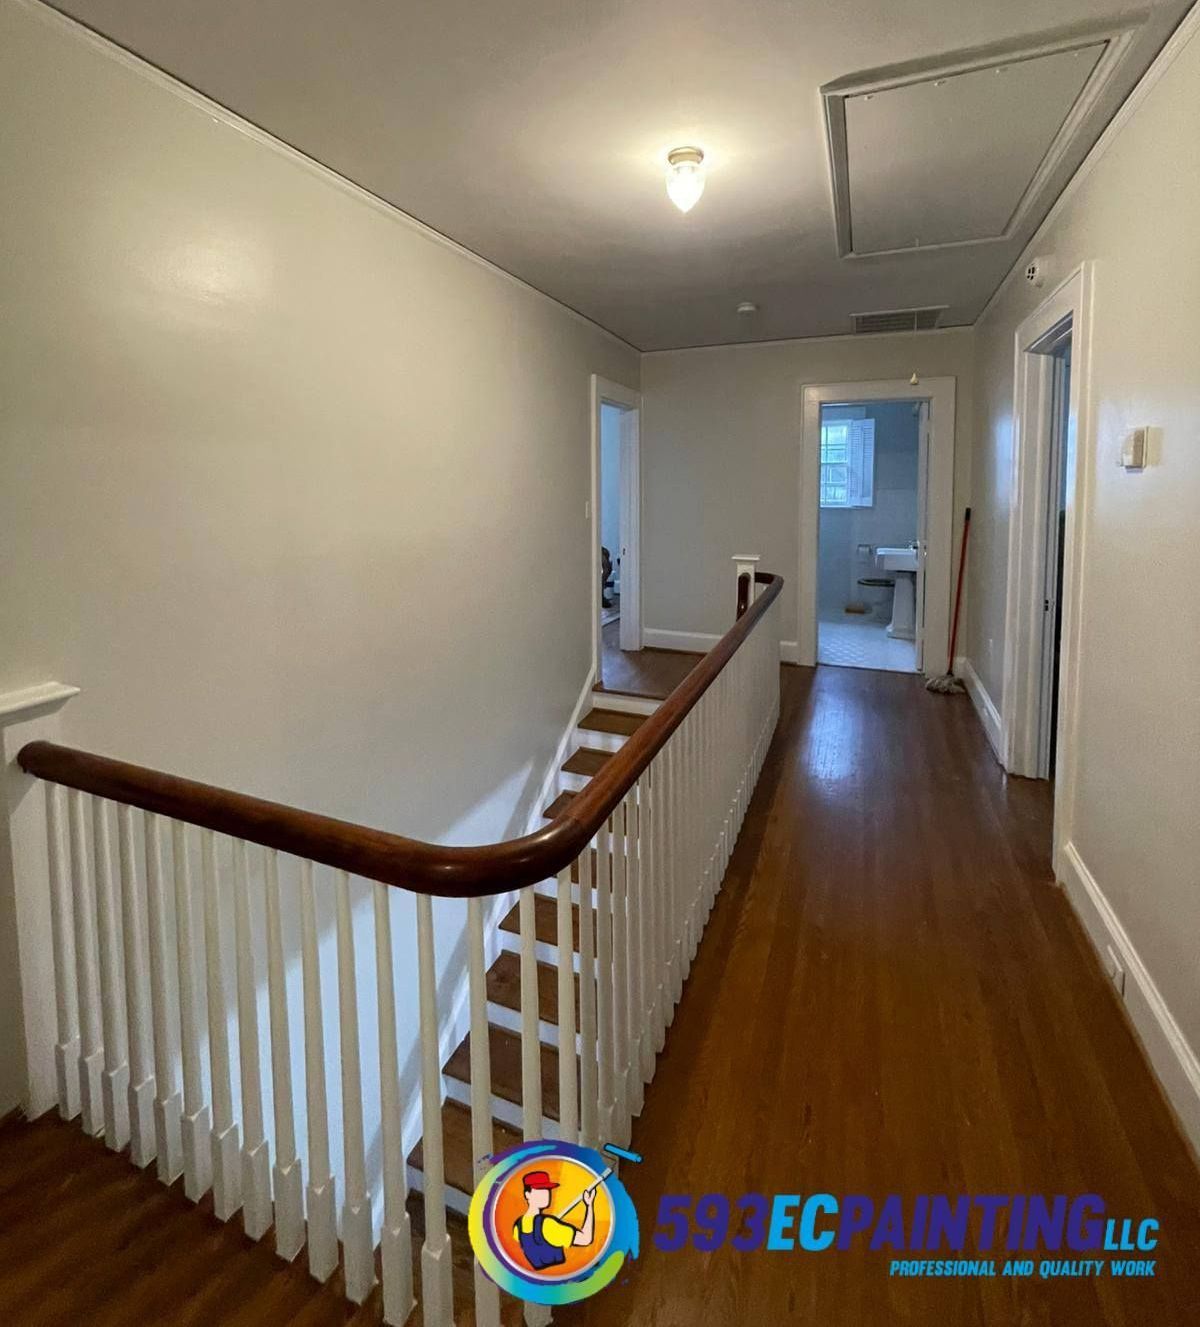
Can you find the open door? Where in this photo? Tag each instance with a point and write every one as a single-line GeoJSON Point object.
{"type": "Point", "coordinates": [922, 521]}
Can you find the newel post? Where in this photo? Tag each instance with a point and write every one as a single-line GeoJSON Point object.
{"type": "Point", "coordinates": [744, 565]}
{"type": "Point", "coordinates": [28, 1028]}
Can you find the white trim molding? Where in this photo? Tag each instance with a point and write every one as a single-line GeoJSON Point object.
{"type": "Point", "coordinates": [700, 642]}
{"type": "Point", "coordinates": [604, 392]}
{"type": "Point", "coordinates": [1173, 1060]}
{"type": "Point", "coordinates": [45, 698]}
{"type": "Point", "coordinates": [1070, 305]}
{"type": "Point", "coordinates": [985, 706]}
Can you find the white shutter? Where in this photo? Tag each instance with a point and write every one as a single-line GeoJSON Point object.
{"type": "Point", "coordinates": [862, 463]}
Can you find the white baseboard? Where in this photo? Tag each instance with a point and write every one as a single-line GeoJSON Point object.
{"type": "Point", "coordinates": [985, 707]}
{"type": "Point", "coordinates": [700, 642]}
{"type": "Point", "coordinates": [1167, 1049]}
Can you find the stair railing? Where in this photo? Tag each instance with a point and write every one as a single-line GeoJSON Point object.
{"type": "Point", "coordinates": [159, 1043]}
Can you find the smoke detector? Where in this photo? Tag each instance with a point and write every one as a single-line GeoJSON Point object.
{"type": "Point", "coordinates": [1036, 271]}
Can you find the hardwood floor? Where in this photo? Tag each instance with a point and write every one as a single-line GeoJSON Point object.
{"type": "Point", "coordinates": [893, 997]}
{"type": "Point", "coordinates": [654, 673]}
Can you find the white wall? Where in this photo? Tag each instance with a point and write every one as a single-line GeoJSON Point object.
{"type": "Point", "coordinates": [283, 473]}
{"type": "Point", "coordinates": [1136, 216]}
{"type": "Point", "coordinates": [721, 457]}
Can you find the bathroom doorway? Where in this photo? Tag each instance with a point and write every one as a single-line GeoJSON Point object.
{"type": "Point", "coordinates": [926, 406]}
{"type": "Point", "coordinates": [871, 535]}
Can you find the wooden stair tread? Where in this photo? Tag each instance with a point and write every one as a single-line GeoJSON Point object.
{"type": "Point", "coordinates": [560, 804]}
{"type": "Point", "coordinates": [612, 721]}
{"type": "Point", "coordinates": [545, 920]}
{"type": "Point", "coordinates": [505, 1049]}
{"type": "Point", "coordinates": [587, 760]}
{"type": "Point", "coordinates": [457, 1147]}
{"type": "Point", "coordinates": [504, 987]}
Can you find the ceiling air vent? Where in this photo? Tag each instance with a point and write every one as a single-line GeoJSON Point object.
{"type": "Point", "coordinates": [899, 320]}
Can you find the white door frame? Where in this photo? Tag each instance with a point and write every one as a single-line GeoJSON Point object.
{"type": "Point", "coordinates": [629, 402]}
{"type": "Point", "coordinates": [1070, 305]}
{"type": "Point", "coordinates": [939, 507]}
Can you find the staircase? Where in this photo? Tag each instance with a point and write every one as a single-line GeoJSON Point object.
{"type": "Point", "coordinates": [173, 906]}
{"type": "Point", "coordinates": [598, 736]}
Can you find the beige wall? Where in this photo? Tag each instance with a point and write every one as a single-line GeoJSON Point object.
{"type": "Point", "coordinates": [721, 458]}
{"type": "Point", "coordinates": [294, 491]}
{"type": "Point", "coordinates": [1136, 216]}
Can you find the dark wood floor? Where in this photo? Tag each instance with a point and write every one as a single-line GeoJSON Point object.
{"type": "Point", "coordinates": [893, 996]}
{"type": "Point", "coordinates": [653, 673]}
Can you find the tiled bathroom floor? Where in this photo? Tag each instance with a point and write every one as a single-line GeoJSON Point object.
{"type": "Point", "coordinates": [858, 644]}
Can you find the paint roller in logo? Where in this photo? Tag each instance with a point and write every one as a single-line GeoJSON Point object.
{"type": "Point", "coordinates": [620, 1154]}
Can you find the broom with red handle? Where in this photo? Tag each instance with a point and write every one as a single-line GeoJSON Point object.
{"type": "Point", "coordinates": [947, 684]}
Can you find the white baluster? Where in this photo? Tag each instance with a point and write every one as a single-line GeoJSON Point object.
{"type": "Point", "coordinates": [396, 1236]}
{"type": "Point", "coordinates": [115, 1080]}
{"type": "Point", "coordinates": [91, 1049]}
{"type": "Point", "coordinates": [256, 1151]}
{"type": "Point", "coordinates": [635, 821]}
{"type": "Point", "coordinates": [137, 999]}
{"type": "Point", "coordinates": [648, 879]}
{"type": "Point", "coordinates": [661, 901]}
{"type": "Point", "coordinates": [622, 828]}
{"type": "Point", "coordinates": [66, 990]}
{"type": "Point", "coordinates": [487, 1293]}
{"type": "Point", "coordinates": [168, 1104]}
{"type": "Point", "coordinates": [288, 1171]}
{"type": "Point", "coordinates": [195, 1125]}
{"type": "Point", "coordinates": [357, 1238]}
{"type": "Point", "coordinates": [437, 1287]}
{"type": "Point", "coordinates": [589, 1105]}
{"type": "Point", "coordinates": [531, 1045]}
{"type": "Point", "coordinates": [604, 981]}
{"type": "Point", "coordinates": [225, 1150]}
{"type": "Point", "coordinates": [568, 1071]}
{"type": "Point", "coordinates": [322, 1187]}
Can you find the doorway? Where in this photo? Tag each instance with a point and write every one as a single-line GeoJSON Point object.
{"type": "Point", "coordinates": [1045, 545]}
{"type": "Point", "coordinates": [870, 574]}
{"type": "Point", "coordinates": [920, 639]}
{"type": "Point", "coordinates": [616, 524]}
{"type": "Point", "coordinates": [1057, 468]}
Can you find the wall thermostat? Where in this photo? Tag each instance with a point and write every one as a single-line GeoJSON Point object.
{"type": "Point", "coordinates": [1133, 449]}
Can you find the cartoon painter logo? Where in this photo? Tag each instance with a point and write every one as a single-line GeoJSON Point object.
{"type": "Point", "coordinates": [551, 1223]}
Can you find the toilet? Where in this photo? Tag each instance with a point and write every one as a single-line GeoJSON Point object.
{"type": "Point", "coordinates": [878, 591]}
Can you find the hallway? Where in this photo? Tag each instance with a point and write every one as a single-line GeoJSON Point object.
{"type": "Point", "coordinates": [891, 996]}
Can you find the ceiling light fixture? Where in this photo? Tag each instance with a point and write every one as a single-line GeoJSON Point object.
{"type": "Point", "coordinates": [685, 177]}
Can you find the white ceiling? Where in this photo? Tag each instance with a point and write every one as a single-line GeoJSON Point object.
{"type": "Point", "coordinates": [534, 133]}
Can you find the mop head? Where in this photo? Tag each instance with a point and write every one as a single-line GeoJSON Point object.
{"type": "Point", "coordinates": [946, 685]}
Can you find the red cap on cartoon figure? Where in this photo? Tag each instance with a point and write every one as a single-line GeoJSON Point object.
{"type": "Point", "coordinates": [538, 1179]}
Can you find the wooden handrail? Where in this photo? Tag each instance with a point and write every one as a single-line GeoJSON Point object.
{"type": "Point", "coordinates": [426, 868]}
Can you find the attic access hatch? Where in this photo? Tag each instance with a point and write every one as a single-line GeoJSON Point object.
{"type": "Point", "coordinates": [960, 153]}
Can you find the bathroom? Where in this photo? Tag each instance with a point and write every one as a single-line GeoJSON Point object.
{"type": "Point", "coordinates": [868, 592]}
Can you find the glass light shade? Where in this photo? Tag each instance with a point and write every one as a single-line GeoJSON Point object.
{"type": "Point", "coordinates": [685, 179]}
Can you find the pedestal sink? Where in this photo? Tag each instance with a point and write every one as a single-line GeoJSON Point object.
{"type": "Point", "coordinates": [902, 564]}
